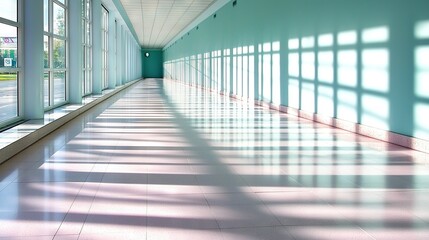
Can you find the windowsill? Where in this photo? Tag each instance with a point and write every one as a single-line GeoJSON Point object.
{"type": "Point", "coordinates": [19, 137]}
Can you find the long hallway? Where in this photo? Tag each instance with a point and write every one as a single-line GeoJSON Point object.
{"type": "Point", "coordinates": [162, 160]}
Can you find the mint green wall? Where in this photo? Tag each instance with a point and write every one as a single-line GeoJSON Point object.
{"type": "Point", "coordinates": [152, 65]}
{"type": "Point", "coordinates": [362, 61]}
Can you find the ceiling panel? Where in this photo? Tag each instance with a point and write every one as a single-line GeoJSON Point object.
{"type": "Point", "coordinates": [156, 22]}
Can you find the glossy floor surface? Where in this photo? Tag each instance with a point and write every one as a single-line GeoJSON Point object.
{"type": "Point", "coordinates": [162, 160]}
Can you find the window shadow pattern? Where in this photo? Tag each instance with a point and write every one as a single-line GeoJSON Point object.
{"type": "Point", "coordinates": [165, 160]}
{"type": "Point", "coordinates": [369, 71]}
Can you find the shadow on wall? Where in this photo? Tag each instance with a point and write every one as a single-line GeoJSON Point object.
{"type": "Point", "coordinates": [421, 69]}
{"type": "Point", "coordinates": [346, 75]}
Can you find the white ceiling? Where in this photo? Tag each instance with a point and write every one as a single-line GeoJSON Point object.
{"type": "Point", "coordinates": [157, 22]}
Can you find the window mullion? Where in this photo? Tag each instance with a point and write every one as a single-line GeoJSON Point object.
{"type": "Point", "coordinates": [9, 22]}
{"type": "Point", "coordinates": [50, 69]}
{"type": "Point", "coordinates": [60, 3]}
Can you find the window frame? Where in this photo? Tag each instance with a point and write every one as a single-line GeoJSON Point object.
{"type": "Point", "coordinates": [104, 47]}
{"type": "Point", "coordinates": [51, 70]}
{"type": "Point", "coordinates": [18, 24]}
{"type": "Point", "coordinates": [87, 56]}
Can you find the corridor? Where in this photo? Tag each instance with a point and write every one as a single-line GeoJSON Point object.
{"type": "Point", "coordinates": [163, 160]}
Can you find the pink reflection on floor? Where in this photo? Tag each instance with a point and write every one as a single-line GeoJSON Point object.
{"type": "Point", "coordinates": [163, 160]}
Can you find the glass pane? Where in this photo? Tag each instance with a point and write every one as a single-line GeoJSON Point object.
{"type": "Point", "coordinates": [9, 9]}
{"type": "Point", "coordinates": [88, 83]}
{"type": "Point", "coordinates": [46, 15]}
{"type": "Point", "coordinates": [104, 20]}
{"type": "Point", "coordinates": [88, 34]}
{"type": "Point", "coordinates": [106, 79]}
{"type": "Point", "coordinates": [8, 46]}
{"type": "Point", "coordinates": [8, 95]}
{"type": "Point", "coordinates": [106, 62]}
{"type": "Point", "coordinates": [85, 83]}
{"type": "Point", "coordinates": [83, 56]}
{"type": "Point", "coordinates": [59, 53]}
{"type": "Point", "coordinates": [83, 8]}
{"type": "Point", "coordinates": [82, 75]}
{"type": "Point", "coordinates": [61, 1]}
{"type": "Point", "coordinates": [107, 41]}
{"type": "Point", "coordinates": [88, 9]}
{"type": "Point", "coordinates": [103, 62]}
{"type": "Point", "coordinates": [59, 87]}
{"type": "Point", "coordinates": [88, 58]}
{"type": "Point", "coordinates": [59, 20]}
{"type": "Point", "coordinates": [104, 42]}
{"type": "Point", "coordinates": [46, 51]}
{"type": "Point", "coordinates": [83, 30]}
{"type": "Point", "coordinates": [46, 89]}
{"type": "Point", "coordinates": [103, 79]}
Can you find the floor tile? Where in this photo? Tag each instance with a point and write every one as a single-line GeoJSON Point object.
{"type": "Point", "coordinates": [48, 196]}
{"type": "Point", "coordinates": [114, 236]}
{"type": "Point", "coordinates": [268, 233]}
{"type": "Point", "coordinates": [162, 160]}
{"type": "Point", "coordinates": [65, 237]}
{"type": "Point", "coordinates": [230, 199]}
{"type": "Point", "coordinates": [29, 238]}
{"type": "Point", "coordinates": [182, 211]}
{"type": "Point", "coordinates": [327, 233]}
{"type": "Point", "coordinates": [29, 224]}
{"type": "Point", "coordinates": [154, 233]}
{"type": "Point", "coordinates": [383, 233]}
{"type": "Point", "coordinates": [101, 223]}
{"type": "Point", "coordinates": [241, 216]}
{"type": "Point", "coordinates": [41, 175]}
{"type": "Point", "coordinates": [302, 209]}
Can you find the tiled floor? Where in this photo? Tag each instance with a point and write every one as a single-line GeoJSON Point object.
{"type": "Point", "coordinates": [166, 161]}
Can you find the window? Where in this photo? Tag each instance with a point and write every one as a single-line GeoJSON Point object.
{"type": "Point", "coordinates": [55, 57]}
{"type": "Point", "coordinates": [87, 46]}
{"type": "Point", "coordinates": [116, 49]}
{"type": "Point", "coordinates": [9, 65]}
{"type": "Point", "coordinates": [104, 47]}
